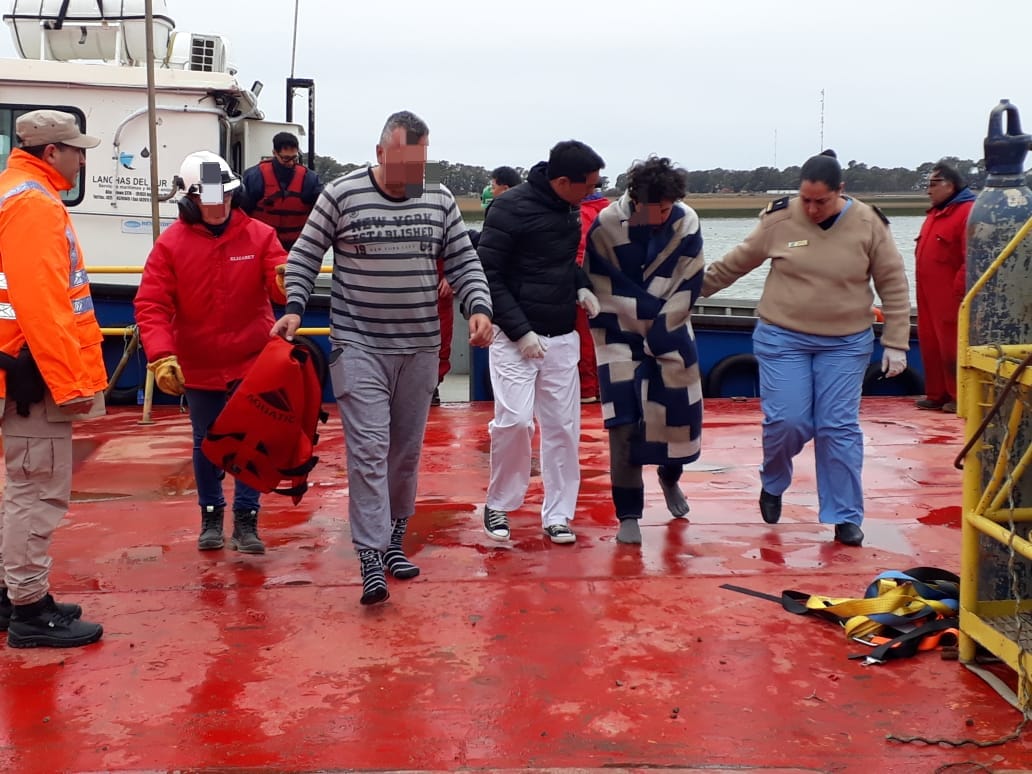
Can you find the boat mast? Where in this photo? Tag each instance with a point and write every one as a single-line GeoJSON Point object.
{"type": "Point", "coordinates": [152, 120]}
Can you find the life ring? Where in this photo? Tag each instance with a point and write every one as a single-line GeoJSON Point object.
{"type": "Point", "coordinates": [734, 367]}
{"type": "Point", "coordinates": [906, 383]}
{"type": "Point", "coordinates": [879, 316]}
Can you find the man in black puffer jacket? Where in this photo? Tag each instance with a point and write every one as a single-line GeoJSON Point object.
{"type": "Point", "coordinates": [529, 252]}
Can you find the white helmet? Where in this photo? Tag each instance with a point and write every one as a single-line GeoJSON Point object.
{"type": "Point", "coordinates": [190, 172]}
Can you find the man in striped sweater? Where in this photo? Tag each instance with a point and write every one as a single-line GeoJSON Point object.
{"type": "Point", "coordinates": [388, 236]}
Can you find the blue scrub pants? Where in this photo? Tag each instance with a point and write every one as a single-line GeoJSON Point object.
{"type": "Point", "coordinates": [810, 388]}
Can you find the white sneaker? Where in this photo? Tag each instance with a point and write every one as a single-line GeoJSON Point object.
{"type": "Point", "coordinates": [560, 533]}
{"type": "Point", "coordinates": [496, 524]}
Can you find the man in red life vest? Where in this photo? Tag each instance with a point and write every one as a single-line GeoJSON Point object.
{"type": "Point", "coordinates": [280, 191]}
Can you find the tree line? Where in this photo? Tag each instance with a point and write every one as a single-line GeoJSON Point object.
{"type": "Point", "coordinates": [468, 180]}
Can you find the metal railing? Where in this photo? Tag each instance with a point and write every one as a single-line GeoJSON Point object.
{"type": "Point", "coordinates": [995, 399]}
{"type": "Point", "coordinates": [131, 334]}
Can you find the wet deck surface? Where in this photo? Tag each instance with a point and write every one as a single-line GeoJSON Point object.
{"type": "Point", "coordinates": [529, 656]}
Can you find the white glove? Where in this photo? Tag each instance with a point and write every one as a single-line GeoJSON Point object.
{"type": "Point", "coordinates": [588, 302]}
{"type": "Point", "coordinates": [531, 345]}
{"type": "Point", "coordinates": [893, 362]}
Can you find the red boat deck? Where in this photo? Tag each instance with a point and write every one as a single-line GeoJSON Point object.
{"type": "Point", "coordinates": [529, 656]}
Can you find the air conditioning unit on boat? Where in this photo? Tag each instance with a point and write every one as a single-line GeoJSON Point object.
{"type": "Point", "coordinates": [200, 53]}
{"type": "Point", "coordinates": [88, 30]}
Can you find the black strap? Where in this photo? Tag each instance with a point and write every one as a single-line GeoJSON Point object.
{"type": "Point", "coordinates": [906, 645]}
{"type": "Point", "coordinates": [751, 593]}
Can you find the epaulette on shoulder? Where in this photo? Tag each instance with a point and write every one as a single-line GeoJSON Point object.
{"type": "Point", "coordinates": [777, 204]}
{"type": "Point", "coordinates": [880, 214]}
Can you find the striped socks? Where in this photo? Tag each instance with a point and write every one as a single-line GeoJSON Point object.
{"type": "Point", "coordinates": [397, 563]}
{"type": "Point", "coordinates": [374, 582]}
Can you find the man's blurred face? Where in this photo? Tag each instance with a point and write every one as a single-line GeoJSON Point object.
{"type": "Point", "coordinates": [215, 214]}
{"type": "Point", "coordinates": [571, 191]}
{"type": "Point", "coordinates": [652, 213]}
{"type": "Point", "coordinates": [66, 160]}
{"type": "Point", "coordinates": [497, 189]}
{"type": "Point", "coordinates": [287, 156]}
{"type": "Point", "coordinates": [403, 159]}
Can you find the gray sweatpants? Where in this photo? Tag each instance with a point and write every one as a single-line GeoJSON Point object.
{"type": "Point", "coordinates": [384, 401]}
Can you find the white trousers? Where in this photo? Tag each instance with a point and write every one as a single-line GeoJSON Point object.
{"type": "Point", "coordinates": [546, 389]}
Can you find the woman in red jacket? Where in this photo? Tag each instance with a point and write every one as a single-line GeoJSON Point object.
{"type": "Point", "coordinates": [940, 274]}
{"type": "Point", "coordinates": [204, 313]}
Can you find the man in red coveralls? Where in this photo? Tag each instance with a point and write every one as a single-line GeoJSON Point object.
{"type": "Point", "coordinates": [941, 250]}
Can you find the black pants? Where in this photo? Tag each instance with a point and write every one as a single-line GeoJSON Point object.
{"type": "Point", "coordinates": [626, 477]}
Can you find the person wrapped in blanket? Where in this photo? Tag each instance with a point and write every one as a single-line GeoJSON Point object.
{"type": "Point", "coordinates": [644, 259]}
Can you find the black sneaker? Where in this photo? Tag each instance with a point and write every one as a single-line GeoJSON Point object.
{"type": "Point", "coordinates": [6, 609]}
{"type": "Point", "coordinates": [43, 625]}
{"type": "Point", "coordinates": [560, 533]}
{"type": "Point", "coordinates": [435, 399]}
{"type": "Point", "coordinates": [496, 524]}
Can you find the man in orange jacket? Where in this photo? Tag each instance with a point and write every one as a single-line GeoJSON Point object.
{"type": "Point", "coordinates": [53, 371]}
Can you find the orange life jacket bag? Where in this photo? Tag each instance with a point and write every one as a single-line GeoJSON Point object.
{"type": "Point", "coordinates": [268, 429]}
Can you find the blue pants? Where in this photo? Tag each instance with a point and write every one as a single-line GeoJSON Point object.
{"type": "Point", "coordinates": [810, 389]}
{"type": "Point", "coordinates": [205, 405]}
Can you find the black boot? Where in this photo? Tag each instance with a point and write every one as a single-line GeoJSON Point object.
{"type": "Point", "coordinates": [43, 624]}
{"type": "Point", "coordinates": [397, 563]}
{"type": "Point", "coordinates": [6, 609]}
{"type": "Point", "coordinates": [245, 533]}
{"type": "Point", "coordinates": [211, 528]}
{"type": "Point", "coordinates": [374, 581]}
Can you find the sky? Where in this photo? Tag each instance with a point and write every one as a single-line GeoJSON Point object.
{"type": "Point", "coordinates": [709, 83]}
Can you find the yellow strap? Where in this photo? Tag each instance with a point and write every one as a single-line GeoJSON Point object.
{"type": "Point", "coordinates": [895, 598]}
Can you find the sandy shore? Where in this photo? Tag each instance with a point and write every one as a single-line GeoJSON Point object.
{"type": "Point", "coordinates": [722, 205]}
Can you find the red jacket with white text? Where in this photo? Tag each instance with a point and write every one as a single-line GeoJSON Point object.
{"type": "Point", "coordinates": [205, 298]}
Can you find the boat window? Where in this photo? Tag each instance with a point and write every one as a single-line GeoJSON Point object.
{"type": "Point", "coordinates": [9, 115]}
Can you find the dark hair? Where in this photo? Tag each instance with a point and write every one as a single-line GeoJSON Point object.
{"type": "Point", "coordinates": [573, 159]}
{"type": "Point", "coordinates": [36, 150]}
{"type": "Point", "coordinates": [506, 176]}
{"type": "Point", "coordinates": [950, 173]}
{"type": "Point", "coordinates": [822, 168]}
{"type": "Point", "coordinates": [414, 126]}
{"type": "Point", "coordinates": [656, 179]}
{"type": "Point", "coordinates": [284, 140]}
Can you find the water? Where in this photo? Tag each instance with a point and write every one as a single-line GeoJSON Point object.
{"type": "Point", "coordinates": [720, 235]}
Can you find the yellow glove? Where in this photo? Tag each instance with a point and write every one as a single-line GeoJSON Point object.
{"type": "Point", "coordinates": [281, 281]}
{"type": "Point", "coordinates": [168, 375]}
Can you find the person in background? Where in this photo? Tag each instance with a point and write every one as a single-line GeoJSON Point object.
{"type": "Point", "coordinates": [53, 372]}
{"type": "Point", "coordinates": [529, 252]}
{"type": "Point", "coordinates": [940, 276]}
{"type": "Point", "coordinates": [384, 330]}
{"type": "Point", "coordinates": [502, 179]}
{"type": "Point", "coordinates": [204, 313]}
{"type": "Point", "coordinates": [280, 191]}
{"type": "Point", "coordinates": [644, 259]}
{"type": "Point", "coordinates": [814, 339]}
{"type": "Point", "coordinates": [590, 206]}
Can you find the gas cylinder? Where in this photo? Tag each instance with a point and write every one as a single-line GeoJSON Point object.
{"type": "Point", "coordinates": [1002, 313]}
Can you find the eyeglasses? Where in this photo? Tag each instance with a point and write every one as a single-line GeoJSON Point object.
{"type": "Point", "coordinates": [288, 158]}
{"type": "Point", "coordinates": [935, 181]}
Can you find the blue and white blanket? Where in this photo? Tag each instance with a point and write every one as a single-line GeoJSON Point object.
{"type": "Point", "coordinates": [647, 280]}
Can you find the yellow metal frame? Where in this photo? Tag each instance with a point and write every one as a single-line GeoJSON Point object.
{"type": "Point", "coordinates": [127, 331]}
{"type": "Point", "coordinates": [982, 371]}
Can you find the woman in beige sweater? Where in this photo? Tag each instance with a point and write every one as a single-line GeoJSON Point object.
{"type": "Point", "coordinates": [813, 340]}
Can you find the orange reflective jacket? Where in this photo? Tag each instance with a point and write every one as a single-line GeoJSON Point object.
{"type": "Point", "coordinates": [45, 297]}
